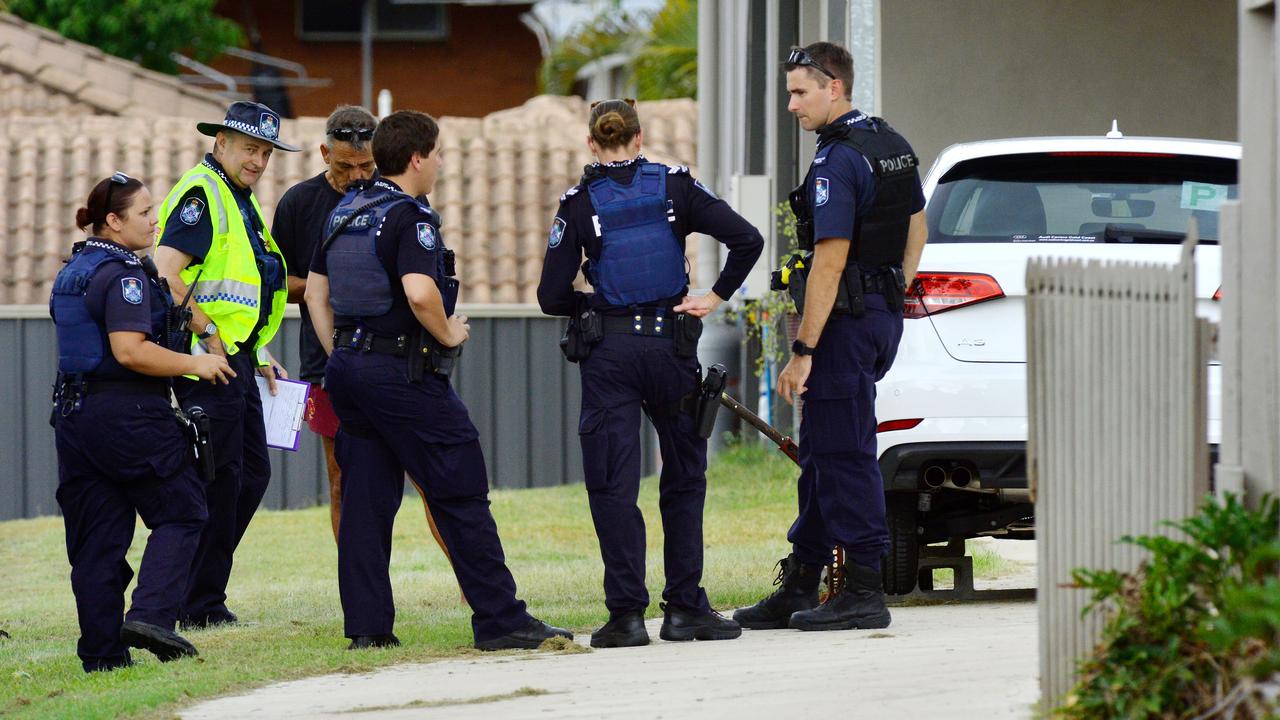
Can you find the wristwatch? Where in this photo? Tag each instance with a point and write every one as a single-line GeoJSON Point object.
{"type": "Point", "coordinates": [209, 331]}
{"type": "Point", "coordinates": [799, 348]}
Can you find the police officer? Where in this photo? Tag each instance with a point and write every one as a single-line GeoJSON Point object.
{"type": "Point", "coordinates": [121, 453]}
{"type": "Point", "coordinates": [630, 217]}
{"type": "Point", "coordinates": [214, 243]}
{"type": "Point", "coordinates": [382, 296]}
{"type": "Point", "coordinates": [860, 213]}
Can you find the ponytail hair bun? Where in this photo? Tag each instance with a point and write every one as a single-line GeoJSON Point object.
{"type": "Point", "coordinates": [613, 123]}
{"type": "Point", "coordinates": [83, 220]}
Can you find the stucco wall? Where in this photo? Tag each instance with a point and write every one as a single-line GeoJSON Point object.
{"type": "Point", "coordinates": [955, 71]}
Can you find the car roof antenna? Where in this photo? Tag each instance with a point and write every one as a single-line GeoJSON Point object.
{"type": "Point", "coordinates": [1115, 130]}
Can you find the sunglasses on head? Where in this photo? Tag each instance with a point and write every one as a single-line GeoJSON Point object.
{"type": "Point", "coordinates": [117, 178]}
{"type": "Point", "coordinates": [629, 101]}
{"type": "Point", "coordinates": [799, 57]}
{"type": "Point", "coordinates": [349, 134]}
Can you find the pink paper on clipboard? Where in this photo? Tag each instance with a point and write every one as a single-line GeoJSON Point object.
{"type": "Point", "coordinates": [282, 412]}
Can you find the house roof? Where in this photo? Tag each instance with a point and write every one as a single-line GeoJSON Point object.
{"type": "Point", "coordinates": [498, 190]}
{"type": "Point", "coordinates": [42, 72]}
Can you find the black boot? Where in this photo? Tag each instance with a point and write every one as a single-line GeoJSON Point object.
{"type": "Point", "coordinates": [527, 638]}
{"type": "Point", "coordinates": [856, 602]}
{"type": "Point", "coordinates": [625, 630]}
{"type": "Point", "coordinates": [166, 644]}
{"type": "Point", "coordinates": [797, 590]}
{"type": "Point", "coordinates": [364, 642]}
{"type": "Point", "coordinates": [679, 625]}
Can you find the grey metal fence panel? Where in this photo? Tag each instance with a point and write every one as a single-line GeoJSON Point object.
{"type": "Point", "coordinates": [522, 395]}
{"type": "Point", "coordinates": [1117, 403]}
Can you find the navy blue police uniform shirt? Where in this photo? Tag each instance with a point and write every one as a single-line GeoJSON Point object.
{"type": "Point", "coordinates": [299, 228]}
{"type": "Point", "coordinates": [401, 253]}
{"type": "Point", "coordinates": [695, 208]}
{"type": "Point", "coordinates": [119, 300]}
{"type": "Point", "coordinates": [844, 186]}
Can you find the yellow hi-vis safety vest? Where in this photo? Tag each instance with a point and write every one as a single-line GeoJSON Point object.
{"type": "Point", "coordinates": [230, 286]}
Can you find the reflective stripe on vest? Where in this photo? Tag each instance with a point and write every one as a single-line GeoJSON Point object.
{"type": "Point", "coordinates": [230, 286]}
{"type": "Point", "coordinates": [640, 257]}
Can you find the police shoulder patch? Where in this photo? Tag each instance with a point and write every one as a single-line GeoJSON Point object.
{"type": "Point", "coordinates": [821, 191]}
{"type": "Point", "coordinates": [557, 233]}
{"type": "Point", "coordinates": [131, 290]}
{"type": "Point", "coordinates": [570, 192]}
{"type": "Point", "coordinates": [191, 211]}
{"type": "Point", "coordinates": [705, 189]}
{"type": "Point", "coordinates": [678, 170]}
{"type": "Point", "coordinates": [426, 236]}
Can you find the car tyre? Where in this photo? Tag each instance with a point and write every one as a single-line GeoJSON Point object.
{"type": "Point", "coordinates": [902, 566]}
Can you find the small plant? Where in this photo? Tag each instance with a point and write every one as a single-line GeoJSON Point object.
{"type": "Point", "coordinates": [1194, 632]}
{"type": "Point", "coordinates": [764, 320]}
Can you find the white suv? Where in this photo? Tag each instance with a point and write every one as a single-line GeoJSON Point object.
{"type": "Point", "coordinates": [953, 411]}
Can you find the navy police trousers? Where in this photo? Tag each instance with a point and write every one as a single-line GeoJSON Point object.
{"type": "Point", "coordinates": [841, 493]}
{"type": "Point", "coordinates": [391, 426]}
{"type": "Point", "coordinates": [122, 456]}
{"type": "Point", "coordinates": [242, 470]}
{"type": "Point", "coordinates": [623, 375]}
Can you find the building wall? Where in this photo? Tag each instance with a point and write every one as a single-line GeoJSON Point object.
{"type": "Point", "coordinates": [958, 71]}
{"type": "Point", "coordinates": [461, 75]}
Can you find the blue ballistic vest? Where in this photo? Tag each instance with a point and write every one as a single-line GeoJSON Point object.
{"type": "Point", "coordinates": [82, 341]}
{"type": "Point", "coordinates": [640, 257]}
{"type": "Point", "coordinates": [358, 283]}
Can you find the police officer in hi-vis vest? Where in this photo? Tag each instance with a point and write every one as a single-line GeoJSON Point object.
{"type": "Point", "coordinates": [214, 242]}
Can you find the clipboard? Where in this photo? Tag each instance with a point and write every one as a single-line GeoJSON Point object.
{"type": "Point", "coordinates": [282, 413]}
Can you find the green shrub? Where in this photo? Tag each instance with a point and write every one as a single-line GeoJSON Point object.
{"type": "Point", "coordinates": [1194, 631]}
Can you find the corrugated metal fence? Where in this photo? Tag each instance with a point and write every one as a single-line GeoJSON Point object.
{"type": "Point", "coordinates": [522, 395]}
{"type": "Point", "coordinates": [1117, 415]}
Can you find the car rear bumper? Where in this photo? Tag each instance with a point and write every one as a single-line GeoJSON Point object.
{"type": "Point", "coordinates": [992, 464]}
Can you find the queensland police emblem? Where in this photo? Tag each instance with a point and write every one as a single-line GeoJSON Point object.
{"type": "Point", "coordinates": [557, 233]}
{"type": "Point", "coordinates": [821, 191]}
{"type": "Point", "coordinates": [269, 126]}
{"type": "Point", "coordinates": [131, 289]}
{"type": "Point", "coordinates": [191, 211]}
{"type": "Point", "coordinates": [427, 236]}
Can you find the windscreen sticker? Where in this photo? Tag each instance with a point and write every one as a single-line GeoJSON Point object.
{"type": "Point", "coordinates": [1054, 238]}
{"type": "Point", "coordinates": [1202, 196]}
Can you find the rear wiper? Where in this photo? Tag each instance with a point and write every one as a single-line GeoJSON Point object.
{"type": "Point", "coordinates": [1123, 233]}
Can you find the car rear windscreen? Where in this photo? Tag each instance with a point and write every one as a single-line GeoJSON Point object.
{"type": "Point", "coordinates": [1081, 197]}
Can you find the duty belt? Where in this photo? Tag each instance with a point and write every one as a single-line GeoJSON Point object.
{"type": "Point", "coordinates": [362, 340]}
{"type": "Point", "coordinates": [142, 387]}
{"type": "Point", "coordinates": [648, 324]}
{"type": "Point", "coordinates": [877, 281]}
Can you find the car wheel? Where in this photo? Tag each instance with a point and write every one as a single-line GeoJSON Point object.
{"type": "Point", "coordinates": [901, 568]}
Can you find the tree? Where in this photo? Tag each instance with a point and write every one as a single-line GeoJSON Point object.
{"type": "Point", "coordinates": [144, 31]}
{"type": "Point", "coordinates": [663, 57]}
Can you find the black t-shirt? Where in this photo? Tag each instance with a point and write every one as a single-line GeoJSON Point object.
{"type": "Point", "coordinates": [401, 253]}
{"type": "Point", "coordinates": [298, 228]}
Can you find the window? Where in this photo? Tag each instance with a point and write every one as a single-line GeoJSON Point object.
{"type": "Point", "coordinates": [322, 20]}
{"type": "Point", "coordinates": [1081, 198]}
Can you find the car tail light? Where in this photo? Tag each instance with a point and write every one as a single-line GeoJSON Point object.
{"type": "Point", "coordinates": [935, 292]}
{"type": "Point", "coordinates": [1217, 294]}
{"type": "Point", "coordinates": [890, 425]}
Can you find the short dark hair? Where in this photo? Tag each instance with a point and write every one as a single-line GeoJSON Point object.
{"type": "Point", "coordinates": [349, 117]}
{"type": "Point", "coordinates": [95, 210]}
{"type": "Point", "coordinates": [835, 59]}
{"type": "Point", "coordinates": [399, 136]}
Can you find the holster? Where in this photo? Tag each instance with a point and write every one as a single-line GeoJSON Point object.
{"type": "Point", "coordinates": [584, 329]}
{"type": "Point", "coordinates": [704, 418]}
{"type": "Point", "coordinates": [426, 354]}
{"type": "Point", "coordinates": [199, 431]}
{"type": "Point", "coordinates": [896, 296]}
{"type": "Point", "coordinates": [177, 329]}
{"type": "Point", "coordinates": [687, 331]}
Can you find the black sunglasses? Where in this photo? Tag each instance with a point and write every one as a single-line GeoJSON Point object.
{"type": "Point", "coordinates": [349, 134]}
{"type": "Point", "coordinates": [799, 57]}
{"type": "Point", "coordinates": [117, 178]}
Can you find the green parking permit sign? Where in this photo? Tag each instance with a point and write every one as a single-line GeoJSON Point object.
{"type": "Point", "coordinates": [1203, 196]}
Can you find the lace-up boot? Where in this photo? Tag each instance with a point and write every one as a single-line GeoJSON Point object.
{"type": "Point", "coordinates": [856, 601]}
{"type": "Point", "coordinates": [797, 590]}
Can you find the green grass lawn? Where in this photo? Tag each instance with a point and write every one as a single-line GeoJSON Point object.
{"type": "Point", "coordinates": [284, 588]}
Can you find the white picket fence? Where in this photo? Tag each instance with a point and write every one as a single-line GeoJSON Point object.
{"type": "Point", "coordinates": [1117, 399]}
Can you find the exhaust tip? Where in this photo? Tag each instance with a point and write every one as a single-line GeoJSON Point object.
{"type": "Point", "coordinates": [933, 476]}
{"type": "Point", "coordinates": [961, 476]}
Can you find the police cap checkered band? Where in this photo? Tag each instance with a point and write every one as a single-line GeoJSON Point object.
{"type": "Point", "coordinates": [251, 118]}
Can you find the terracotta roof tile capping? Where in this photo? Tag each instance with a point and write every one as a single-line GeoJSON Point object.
{"type": "Point", "coordinates": [500, 186]}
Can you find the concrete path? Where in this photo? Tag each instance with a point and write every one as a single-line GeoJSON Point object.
{"type": "Point", "coordinates": [974, 660]}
